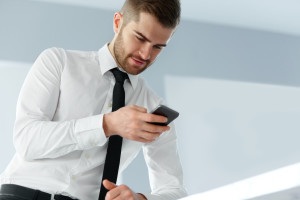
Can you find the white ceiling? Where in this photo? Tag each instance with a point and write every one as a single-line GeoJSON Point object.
{"type": "Point", "coordinates": [281, 16]}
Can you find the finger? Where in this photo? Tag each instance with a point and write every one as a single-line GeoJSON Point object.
{"type": "Point", "coordinates": [148, 140]}
{"type": "Point", "coordinates": [148, 137]}
{"type": "Point", "coordinates": [119, 198]}
{"type": "Point", "coordinates": [141, 138]}
{"type": "Point", "coordinates": [109, 185]}
{"type": "Point", "coordinates": [148, 117]}
{"type": "Point", "coordinates": [153, 128]}
{"type": "Point", "coordinates": [118, 192]}
{"type": "Point", "coordinates": [138, 108]}
{"type": "Point", "coordinates": [113, 194]}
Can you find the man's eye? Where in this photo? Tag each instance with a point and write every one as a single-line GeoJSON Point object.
{"type": "Point", "coordinates": [140, 39]}
{"type": "Point", "coordinates": [157, 47]}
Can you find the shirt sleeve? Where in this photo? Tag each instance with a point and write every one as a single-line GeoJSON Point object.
{"type": "Point", "coordinates": [165, 171]}
{"type": "Point", "coordinates": [36, 136]}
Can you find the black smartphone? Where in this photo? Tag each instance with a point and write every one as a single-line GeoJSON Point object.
{"type": "Point", "coordinates": [166, 112]}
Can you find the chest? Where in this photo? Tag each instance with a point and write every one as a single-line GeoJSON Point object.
{"type": "Point", "coordinates": [84, 91]}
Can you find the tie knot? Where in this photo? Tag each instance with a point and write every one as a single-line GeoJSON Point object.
{"type": "Point", "coordinates": [119, 76]}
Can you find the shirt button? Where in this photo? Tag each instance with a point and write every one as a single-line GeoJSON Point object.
{"type": "Point", "coordinates": [110, 105]}
{"type": "Point", "coordinates": [73, 177]}
{"type": "Point", "coordinates": [87, 156]}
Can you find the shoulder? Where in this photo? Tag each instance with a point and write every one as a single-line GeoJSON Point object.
{"type": "Point", "coordinates": [53, 52]}
{"type": "Point", "coordinates": [50, 57]}
{"type": "Point", "coordinates": [62, 54]}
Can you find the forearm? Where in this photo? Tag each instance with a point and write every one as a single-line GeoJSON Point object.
{"type": "Point", "coordinates": [164, 167]}
{"type": "Point", "coordinates": [36, 139]}
{"type": "Point", "coordinates": [170, 194]}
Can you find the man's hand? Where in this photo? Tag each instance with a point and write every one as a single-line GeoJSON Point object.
{"type": "Point", "coordinates": [121, 192]}
{"type": "Point", "coordinates": [133, 123]}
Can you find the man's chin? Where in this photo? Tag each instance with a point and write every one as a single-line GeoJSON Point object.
{"type": "Point", "coordinates": [135, 70]}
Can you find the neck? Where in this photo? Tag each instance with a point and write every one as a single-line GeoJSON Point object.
{"type": "Point", "coordinates": [111, 49]}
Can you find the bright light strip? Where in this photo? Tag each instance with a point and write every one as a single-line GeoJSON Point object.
{"type": "Point", "coordinates": [7, 64]}
{"type": "Point", "coordinates": [267, 183]}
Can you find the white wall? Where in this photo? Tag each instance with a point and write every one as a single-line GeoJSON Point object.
{"type": "Point", "coordinates": [12, 75]}
{"type": "Point", "coordinates": [231, 130]}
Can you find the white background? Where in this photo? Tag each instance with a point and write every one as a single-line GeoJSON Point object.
{"type": "Point", "coordinates": [230, 130]}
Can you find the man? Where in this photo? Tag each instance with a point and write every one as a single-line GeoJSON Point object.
{"type": "Point", "coordinates": [64, 118]}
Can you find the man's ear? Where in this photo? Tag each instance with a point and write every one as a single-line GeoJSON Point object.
{"type": "Point", "coordinates": [118, 20]}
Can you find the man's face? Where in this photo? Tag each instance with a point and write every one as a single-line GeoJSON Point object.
{"type": "Point", "coordinates": [138, 44]}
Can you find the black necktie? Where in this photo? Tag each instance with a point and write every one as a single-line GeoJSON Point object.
{"type": "Point", "coordinates": [113, 154]}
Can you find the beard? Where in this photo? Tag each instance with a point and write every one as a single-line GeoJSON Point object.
{"type": "Point", "coordinates": [122, 58]}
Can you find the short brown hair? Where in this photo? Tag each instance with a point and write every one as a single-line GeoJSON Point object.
{"type": "Point", "coordinates": [167, 12]}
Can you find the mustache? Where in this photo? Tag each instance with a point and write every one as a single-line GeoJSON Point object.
{"type": "Point", "coordinates": [139, 58]}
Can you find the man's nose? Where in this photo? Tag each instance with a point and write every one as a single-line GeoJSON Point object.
{"type": "Point", "coordinates": [145, 52]}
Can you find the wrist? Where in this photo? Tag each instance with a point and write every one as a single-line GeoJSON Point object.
{"type": "Point", "coordinates": [105, 125]}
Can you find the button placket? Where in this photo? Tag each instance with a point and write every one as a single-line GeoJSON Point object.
{"type": "Point", "coordinates": [108, 101]}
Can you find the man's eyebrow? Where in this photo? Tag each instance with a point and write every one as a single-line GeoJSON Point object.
{"type": "Point", "coordinates": [145, 38]}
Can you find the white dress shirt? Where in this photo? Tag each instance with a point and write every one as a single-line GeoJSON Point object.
{"type": "Point", "coordinates": [58, 134]}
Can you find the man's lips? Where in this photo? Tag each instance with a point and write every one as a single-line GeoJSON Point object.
{"type": "Point", "coordinates": [137, 61]}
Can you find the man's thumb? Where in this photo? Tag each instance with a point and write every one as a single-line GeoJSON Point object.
{"type": "Point", "coordinates": [109, 185]}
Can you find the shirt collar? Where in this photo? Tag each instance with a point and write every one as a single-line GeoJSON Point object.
{"type": "Point", "coordinates": [107, 62]}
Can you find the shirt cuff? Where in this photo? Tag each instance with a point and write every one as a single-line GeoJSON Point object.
{"type": "Point", "coordinates": [152, 197]}
{"type": "Point", "coordinates": [171, 196]}
{"type": "Point", "coordinates": [89, 132]}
